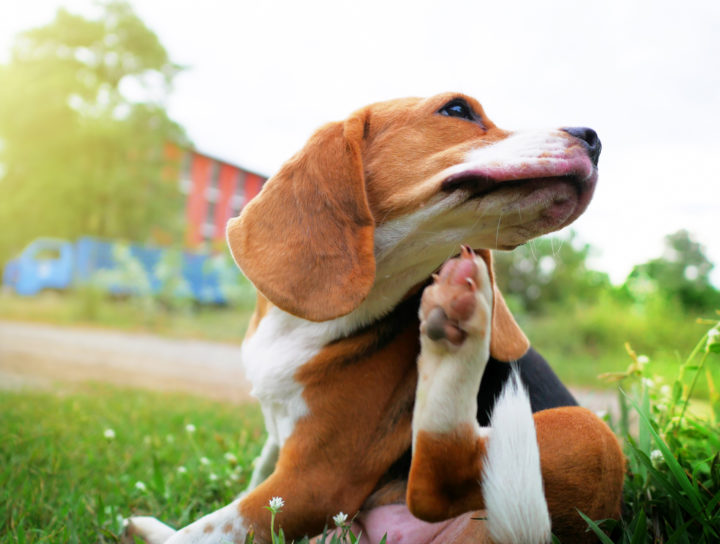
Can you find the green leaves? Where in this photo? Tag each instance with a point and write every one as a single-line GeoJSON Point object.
{"type": "Point", "coordinates": [682, 273]}
{"type": "Point", "coordinates": [79, 154]}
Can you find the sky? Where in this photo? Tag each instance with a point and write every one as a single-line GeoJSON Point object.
{"type": "Point", "coordinates": [261, 76]}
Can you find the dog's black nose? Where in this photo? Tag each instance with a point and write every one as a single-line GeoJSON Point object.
{"type": "Point", "coordinates": [589, 138]}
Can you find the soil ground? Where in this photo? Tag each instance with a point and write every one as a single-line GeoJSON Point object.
{"type": "Point", "coordinates": [42, 356]}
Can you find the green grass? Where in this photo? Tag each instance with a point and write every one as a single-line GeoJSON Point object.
{"type": "Point", "coordinates": [87, 309]}
{"type": "Point", "coordinates": [672, 488]}
{"type": "Point", "coordinates": [63, 480]}
{"type": "Point", "coordinates": [586, 340]}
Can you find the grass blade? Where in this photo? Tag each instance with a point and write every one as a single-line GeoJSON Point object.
{"type": "Point", "coordinates": [596, 529]}
{"type": "Point", "coordinates": [672, 463]}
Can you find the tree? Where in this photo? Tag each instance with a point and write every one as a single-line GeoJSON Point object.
{"type": "Point", "coordinates": [83, 131]}
{"type": "Point", "coordinates": [549, 270]}
{"type": "Point", "coordinates": [682, 273]}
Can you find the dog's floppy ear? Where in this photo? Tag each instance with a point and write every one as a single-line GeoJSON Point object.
{"type": "Point", "coordinates": [507, 340]}
{"type": "Point", "coordinates": [306, 241]}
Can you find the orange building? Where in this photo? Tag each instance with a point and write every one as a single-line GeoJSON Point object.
{"type": "Point", "coordinates": [216, 191]}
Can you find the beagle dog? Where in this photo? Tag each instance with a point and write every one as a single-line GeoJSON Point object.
{"type": "Point", "coordinates": [385, 377]}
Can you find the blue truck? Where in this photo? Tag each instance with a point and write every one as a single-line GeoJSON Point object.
{"type": "Point", "coordinates": [52, 263]}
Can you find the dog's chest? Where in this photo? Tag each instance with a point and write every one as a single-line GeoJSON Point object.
{"type": "Point", "coordinates": [272, 356]}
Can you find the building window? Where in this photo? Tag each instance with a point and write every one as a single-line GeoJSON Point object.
{"type": "Point", "coordinates": [185, 172]}
{"type": "Point", "coordinates": [208, 231]}
{"type": "Point", "coordinates": [238, 199]}
{"type": "Point", "coordinates": [212, 192]}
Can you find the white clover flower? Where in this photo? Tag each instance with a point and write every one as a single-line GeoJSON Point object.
{"type": "Point", "coordinates": [276, 503]}
{"type": "Point", "coordinates": [109, 434]}
{"type": "Point", "coordinates": [656, 456]}
{"type": "Point", "coordinates": [213, 477]}
{"type": "Point", "coordinates": [181, 470]}
{"type": "Point", "coordinates": [190, 428]}
{"type": "Point", "coordinates": [647, 382]}
{"type": "Point", "coordinates": [204, 461]}
{"type": "Point", "coordinates": [713, 337]}
{"type": "Point", "coordinates": [643, 359]}
{"type": "Point", "coordinates": [230, 458]}
{"type": "Point", "coordinates": [340, 518]}
{"type": "Point", "coordinates": [140, 486]}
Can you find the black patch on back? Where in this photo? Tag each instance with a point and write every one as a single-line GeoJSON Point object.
{"type": "Point", "coordinates": [544, 387]}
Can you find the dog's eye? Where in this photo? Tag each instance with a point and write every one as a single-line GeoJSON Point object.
{"type": "Point", "coordinates": [458, 108]}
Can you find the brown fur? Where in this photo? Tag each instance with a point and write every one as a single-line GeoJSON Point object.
{"type": "Point", "coordinates": [445, 472]}
{"type": "Point", "coordinates": [582, 468]}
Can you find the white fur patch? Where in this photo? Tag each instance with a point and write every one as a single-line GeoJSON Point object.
{"type": "Point", "coordinates": [542, 152]}
{"type": "Point", "coordinates": [149, 528]}
{"type": "Point", "coordinates": [449, 377]}
{"type": "Point", "coordinates": [521, 147]}
{"type": "Point", "coordinates": [282, 344]}
{"type": "Point", "coordinates": [512, 481]}
{"type": "Point", "coordinates": [222, 526]}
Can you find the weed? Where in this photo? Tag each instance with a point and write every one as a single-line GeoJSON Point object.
{"type": "Point", "coordinates": [672, 489]}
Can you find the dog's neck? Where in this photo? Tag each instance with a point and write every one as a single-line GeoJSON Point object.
{"type": "Point", "coordinates": [281, 344]}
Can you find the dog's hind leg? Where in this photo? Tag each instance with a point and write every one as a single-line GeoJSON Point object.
{"type": "Point", "coordinates": [525, 469]}
{"type": "Point", "coordinates": [448, 444]}
{"type": "Point", "coordinates": [450, 449]}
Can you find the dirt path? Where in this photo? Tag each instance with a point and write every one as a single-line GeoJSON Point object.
{"type": "Point", "coordinates": [36, 356]}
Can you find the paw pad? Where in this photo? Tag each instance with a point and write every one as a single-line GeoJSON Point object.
{"type": "Point", "coordinates": [451, 299]}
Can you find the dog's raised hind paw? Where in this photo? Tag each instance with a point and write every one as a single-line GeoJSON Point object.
{"type": "Point", "coordinates": [458, 303]}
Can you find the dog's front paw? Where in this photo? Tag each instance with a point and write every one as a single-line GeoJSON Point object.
{"type": "Point", "coordinates": [149, 529]}
{"type": "Point", "coordinates": [458, 304]}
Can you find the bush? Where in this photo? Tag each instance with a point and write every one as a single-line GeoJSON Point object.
{"type": "Point", "coordinates": [586, 339]}
{"type": "Point", "coordinates": [672, 489]}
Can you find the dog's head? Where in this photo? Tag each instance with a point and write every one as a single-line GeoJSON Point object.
{"type": "Point", "coordinates": [375, 203]}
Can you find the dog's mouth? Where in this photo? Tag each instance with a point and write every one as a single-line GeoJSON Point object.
{"type": "Point", "coordinates": [562, 198]}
